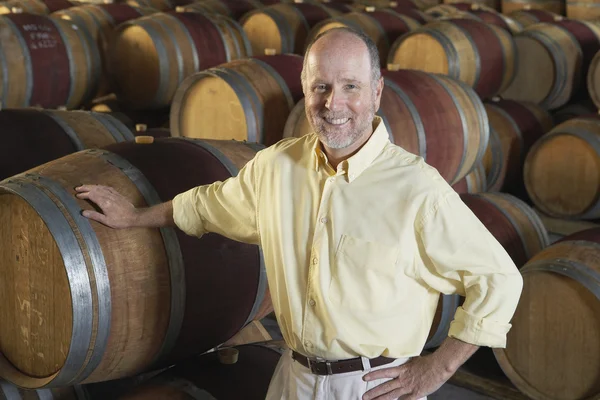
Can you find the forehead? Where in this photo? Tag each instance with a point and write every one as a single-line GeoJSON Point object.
{"type": "Point", "coordinates": [339, 57]}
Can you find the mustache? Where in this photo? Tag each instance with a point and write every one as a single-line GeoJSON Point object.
{"type": "Point", "coordinates": [327, 115]}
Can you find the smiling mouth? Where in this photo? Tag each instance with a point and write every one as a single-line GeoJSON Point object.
{"type": "Point", "coordinates": [337, 121]}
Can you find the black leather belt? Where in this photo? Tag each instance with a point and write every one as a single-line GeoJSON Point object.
{"type": "Point", "coordinates": [338, 367]}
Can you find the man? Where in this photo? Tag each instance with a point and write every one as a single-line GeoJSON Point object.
{"type": "Point", "coordinates": [359, 238]}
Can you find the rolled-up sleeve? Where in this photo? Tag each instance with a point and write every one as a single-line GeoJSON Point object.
{"type": "Point", "coordinates": [460, 255]}
{"type": "Point", "coordinates": [224, 207]}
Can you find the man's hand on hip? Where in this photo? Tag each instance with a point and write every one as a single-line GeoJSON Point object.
{"type": "Point", "coordinates": [416, 379]}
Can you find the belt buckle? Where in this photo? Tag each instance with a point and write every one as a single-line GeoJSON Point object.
{"type": "Point", "coordinates": [312, 365]}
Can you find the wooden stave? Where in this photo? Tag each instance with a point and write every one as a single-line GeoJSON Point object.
{"type": "Point", "coordinates": [569, 128]}
{"type": "Point", "coordinates": [248, 94]}
{"type": "Point", "coordinates": [494, 163]}
{"type": "Point", "coordinates": [565, 258]}
{"type": "Point", "coordinates": [83, 374]}
{"type": "Point", "coordinates": [57, 137]}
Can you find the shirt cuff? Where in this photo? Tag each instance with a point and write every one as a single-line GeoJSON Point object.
{"type": "Point", "coordinates": [185, 214]}
{"type": "Point", "coordinates": [478, 331]}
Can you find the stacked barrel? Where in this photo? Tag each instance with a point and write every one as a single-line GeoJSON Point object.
{"type": "Point", "coordinates": [154, 97]}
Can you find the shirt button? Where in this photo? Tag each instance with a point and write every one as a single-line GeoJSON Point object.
{"type": "Point", "coordinates": [315, 261]}
{"type": "Point", "coordinates": [312, 302]}
{"type": "Point", "coordinates": [324, 220]}
{"type": "Point", "coordinates": [307, 344]}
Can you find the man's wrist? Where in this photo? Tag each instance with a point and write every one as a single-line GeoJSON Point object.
{"type": "Point", "coordinates": [452, 354]}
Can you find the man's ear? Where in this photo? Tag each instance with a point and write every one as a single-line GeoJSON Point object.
{"type": "Point", "coordinates": [378, 92]}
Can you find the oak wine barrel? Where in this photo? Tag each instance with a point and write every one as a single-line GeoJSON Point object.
{"type": "Point", "coordinates": [284, 27]}
{"type": "Point", "coordinates": [554, 6]}
{"type": "Point", "coordinates": [587, 35]}
{"type": "Point", "coordinates": [512, 222]}
{"type": "Point", "coordinates": [518, 126]}
{"type": "Point", "coordinates": [151, 56]}
{"type": "Point", "coordinates": [562, 174]}
{"type": "Point", "coordinates": [30, 137]}
{"type": "Point", "coordinates": [474, 181]}
{"type": "Point", "coordinates": [260, 93]}
{"type": "Point", "coordinates": [380, 26]}
{"type": "Point", "coordinates": [582, 9]}
{"type": "Point", "coordinates": [555, 75]}
{"type": "Point", "coordinates": [412, 12]}
{"type": "Point", "coordinates": [100, 20]}
{"type": "Point", "coordinates": [573, 110]}
{"type": "Point", "coordinates": [206, 377]}
{"type": "Point", "coordinates": [46, 62]}
{"type": "Point", "coordinates": [553, 347]}
{"type": "Point", "coordinates": [151, 118]}
{"type": "Point", "coordinates": [114, 303]}
{"type": "Point", "coordinates": [234, 9]}
{"type": "Point", "coordinates": [476, 53]}
{"type": "Point", "coordinates": [593, 80]}
{"type": "Point", "coordinates": [452, 140]}
{"type": "Point", "coordinates": [492, 4]}
{"type": "Point", "coordinates": [533, 16]}
{"type": "Point", "coordinates": [8, 391]}
{"type": "Point", "coordinates": [160, 5]}
{"type": "Point", "coordinates": [39, 7]}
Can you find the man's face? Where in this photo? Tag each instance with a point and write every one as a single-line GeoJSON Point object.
{"type": "Point", "coordinates": [340, 100]}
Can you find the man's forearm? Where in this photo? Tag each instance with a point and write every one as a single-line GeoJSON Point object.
{"type": "Point", "coordinates": [453, 353]}
{"type": "Point", "coordinates": [158, 216]}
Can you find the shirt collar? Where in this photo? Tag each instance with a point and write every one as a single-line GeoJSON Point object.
{"type": "Point", "coordinates": [355, 165]}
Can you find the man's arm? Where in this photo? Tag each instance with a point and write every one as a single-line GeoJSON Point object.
{"type": "Point", "coordinates": [119, 213]}
{"type": "Point", "coordinates": [458, 255]}
{"type": "Point", "coordinates": [421, 376]}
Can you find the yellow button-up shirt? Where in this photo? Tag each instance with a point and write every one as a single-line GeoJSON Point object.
{"type": "Point", "coordinates": [357, 257]}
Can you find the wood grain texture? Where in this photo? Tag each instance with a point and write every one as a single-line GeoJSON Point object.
{"type": "Point", "coordinates": [259, 92]}
{"type": "Point", "coordinates": [556, 324]}
{"type": "Point", "coordinates": [562, 170]}
{"type": "Point", "coordinates": [557, 72]}
{"type": "Point", "coordinates": [192, 41]}
{"type": "Point", "coordinates": [518, 126]}
{"type": "Point", "coordinates": [478, 54]}
{"type": "Point", "coordinates": [33, 137]}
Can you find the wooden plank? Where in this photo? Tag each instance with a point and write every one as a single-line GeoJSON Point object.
{"type": "Point", "coordinates": [489, 387]}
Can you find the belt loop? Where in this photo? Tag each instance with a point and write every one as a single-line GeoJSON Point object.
{"type": "Point", "coordinates": [365, 363]}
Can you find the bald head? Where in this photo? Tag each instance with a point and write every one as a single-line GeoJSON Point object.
{"type": "Point", "coordinates": [345, 43]}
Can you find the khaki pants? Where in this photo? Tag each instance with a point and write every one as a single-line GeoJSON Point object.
{"type": "Point", "coordinates": [293, 381]}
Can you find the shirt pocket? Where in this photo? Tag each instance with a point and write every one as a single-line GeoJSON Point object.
{"type": "Point", "coordinates": [364, 274]}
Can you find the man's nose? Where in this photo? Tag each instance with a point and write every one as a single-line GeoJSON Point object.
{"type": "Point", "coordinates": [334, 100]}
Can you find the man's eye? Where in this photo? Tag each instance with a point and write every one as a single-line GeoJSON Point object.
{"type": "Point", "coordinates": [320, 88]}
{"type": "Point", "coordinates": [350, 86]}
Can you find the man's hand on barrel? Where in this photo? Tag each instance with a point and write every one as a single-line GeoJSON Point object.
{"type": "Point", "coordinates": [117, 211]}
{"type": "Point", "coordinates": [414, 380]}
